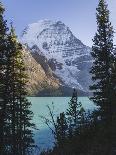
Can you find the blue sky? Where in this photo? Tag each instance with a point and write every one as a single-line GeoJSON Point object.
{"type": "Point", "coordinates": [79, 15]}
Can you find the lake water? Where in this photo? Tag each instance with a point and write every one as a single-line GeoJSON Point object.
{"type": "Point", "coordinates": [43, 137]}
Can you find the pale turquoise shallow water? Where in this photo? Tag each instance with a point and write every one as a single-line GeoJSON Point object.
{"type": "Point", "coordinates": [39, 106]}
{"type": "Point", "coordinates": [43, 136]}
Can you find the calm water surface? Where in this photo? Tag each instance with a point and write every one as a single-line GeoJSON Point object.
{"type": "Point", "coordinates": [43, 136]}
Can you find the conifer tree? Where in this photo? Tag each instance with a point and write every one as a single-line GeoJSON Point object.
{"type": "Point", "coordinates": [113, 86]}
{"type": "Point", "coordinates": [20, 115]}
{"type": "Point", "coordinates": [75, 110]}
{"type": "Point", "coordinates": [3, 84]}
{"type": "Point", "coordinates": [102, 52]}
{"type": "Point", "coordinates": [61, 132]}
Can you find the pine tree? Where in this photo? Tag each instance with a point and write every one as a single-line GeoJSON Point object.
{"type": "Point", "coordinates": [113, 86]}
{"type": "Point", "coordinates": [61, 132]}
{"type": "Point", "coordinates": [3, 84]}
{"type": "Point", "coordinates": [75, 110]}
{"type": "Point", "coordinates": [103, 76]}
{"type": "Point", "coordinates": [102, 52]}
{"type": "Point", "coordinates": [20, 115]}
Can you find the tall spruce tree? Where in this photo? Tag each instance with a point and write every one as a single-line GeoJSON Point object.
{"type": "Point", "coordinates": [3, 84]}
{"type": "Point", "coordinates": [21, 137]}
{"type": "Point", "coordinates": [75, 110]}
{"type": "Point", "coordinates": [61, 132]}
{"type": "Point", "coordinates": [102, 52]}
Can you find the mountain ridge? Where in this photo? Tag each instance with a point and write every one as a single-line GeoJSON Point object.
{"type": "Point", "coordinates": [68, 58]}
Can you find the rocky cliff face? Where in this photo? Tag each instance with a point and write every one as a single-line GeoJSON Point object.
{"type": "Point", "coordinates": [38, 79]}
{"type": "Point", "coordinates": [60, 53]}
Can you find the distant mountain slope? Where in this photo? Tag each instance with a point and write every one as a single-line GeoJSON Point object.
{"type": "Point", "coordinates": [68, 58]}
{"type": "Point", "coordinates": [38, 79]}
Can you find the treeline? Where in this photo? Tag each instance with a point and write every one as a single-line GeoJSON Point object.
{"type": "Point", "coordinates": [78, 132]}
{"type": "Point", "coordinates": [16, 137]}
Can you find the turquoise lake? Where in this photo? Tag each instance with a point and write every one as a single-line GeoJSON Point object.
{"type": "Point", "coordinates": [43, 136]}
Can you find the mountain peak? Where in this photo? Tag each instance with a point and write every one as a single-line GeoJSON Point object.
{"type": "Point", "coordinates": [69, 56]}
{"type": "Point", "coordinates": [54, 30]}
{"type": "Point", "coordinates": [42, 24]}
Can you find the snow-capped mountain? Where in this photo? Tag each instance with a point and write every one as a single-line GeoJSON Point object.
{"type": "Point", "coordinates": [67, 56]}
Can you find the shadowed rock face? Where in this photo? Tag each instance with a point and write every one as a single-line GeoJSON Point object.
{"type": "Point", "coordinates": [38, 79]}
{"type": "Point", "coordinates": [60, 54]}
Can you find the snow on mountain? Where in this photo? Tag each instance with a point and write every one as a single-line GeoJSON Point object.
{"type": "Point", "coordinates": [70, 57]}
